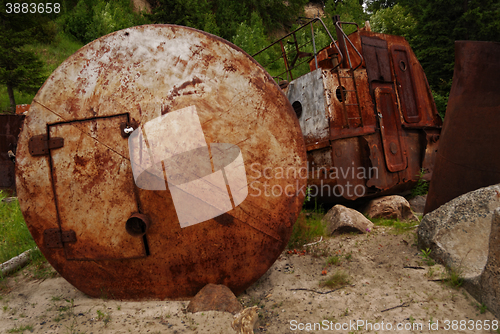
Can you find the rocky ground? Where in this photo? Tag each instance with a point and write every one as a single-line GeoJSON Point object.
{"type": "Point", "coordinates": [390, 286]}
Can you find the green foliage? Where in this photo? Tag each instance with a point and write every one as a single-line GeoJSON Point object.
{"type": "Point", "coordinates": [251, 37]}
{"type": "Point", "coordinates": [91, 19]}
{"type": "Point", "coordinates": [374, 5]}
{"type": "Point", "coordinates": [337, 280]}
{"type": "Point", "coordinates": [425, 254]}
{"type": "Point", "coordinates": [398, 227]}
{"type": "Point", "coordinates": [21, 329]}
{"type": "Point", "coordinates": [224, 17]}
{"type": "Point", "coordinates": [394, 21]}
{"type": "Point", "coordinates": [349, 11]}
{"type": "Point", "coordinates": [19, 69]}
{"type": "Point", "coordinates": [453, 277]}
{"type": "Point", "coordinates": [422, 186]}
{"type": "Point", "coordinates": [15, 237]}
{"type": "Point", "coordinates": [21, 98]}
{"type": "Point", "coordinates": [440, 24]}
{"type": "Point", "coordinates": [441, 101]}
{"type": "Point", "coordinates": [309, 226]}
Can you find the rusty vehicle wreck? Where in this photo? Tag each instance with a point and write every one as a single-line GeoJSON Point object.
{"type": "Point", "coordinates": [361, 121]}
{"type": "Point", "coordinates": [365, 108]}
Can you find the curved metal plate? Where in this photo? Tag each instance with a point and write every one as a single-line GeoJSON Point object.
{"type": "Point", "coordinates": [146, 73]}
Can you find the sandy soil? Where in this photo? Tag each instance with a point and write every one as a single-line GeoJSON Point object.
{"type": "Point", "coordinates": [378, 281]}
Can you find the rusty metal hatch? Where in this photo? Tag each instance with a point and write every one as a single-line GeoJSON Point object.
{"type": "Point", "coordinates": [376, 58]}
{"type": "Point", "coordinates": [93, 167]}
{"type": "Point", "coordinates": [394, 152]}
{"type": "Point", "coordinates": [402, 68]}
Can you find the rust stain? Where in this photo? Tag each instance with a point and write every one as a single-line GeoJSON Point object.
{"type": "Point", "coordinates": [380, 124]}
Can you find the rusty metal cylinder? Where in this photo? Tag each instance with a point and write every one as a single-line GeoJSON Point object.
{"type": "Point", "coordinates": [468, 157]}
{"type": "Point", "coordinates": [149, 165]}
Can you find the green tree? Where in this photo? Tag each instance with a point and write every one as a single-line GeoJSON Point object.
{"type": "Point", "coordinates": [374, 5]}
{"type": "Point", "coordinates": [440, 24]}
{"type": "Point", "coordinates": [19, 68]}
{"type": "Point", "coordinates": [349, 11]}
{"type": "Point", "coordinates": [393, 20]}
{"type": "Point", "coordinates": [224, 17]}
{"type": "Point", "coordinates": [91, 19]}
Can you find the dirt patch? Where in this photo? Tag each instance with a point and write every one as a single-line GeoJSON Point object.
{"type": "Point", "coordinates": [380, 290]}
{"type": "Point", "coordinates": [312, 10]}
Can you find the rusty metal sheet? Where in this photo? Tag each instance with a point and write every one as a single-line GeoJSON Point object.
{"type": "Point", "coordinates": [468, 157]}
{"type": "Point", "coordinates": [376, 57]}
{"type": "Point", "coordinates": [139, 76]}
{"type": "Point", "coordinates": [390, 129]}
{"type": "Point", "coordinates": [10, 126]}
{"type": "Point", "coordinates": [307, 96]}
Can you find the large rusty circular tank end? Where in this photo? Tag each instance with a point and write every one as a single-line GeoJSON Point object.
{"type": "Point", "coordinates": [158, 159]}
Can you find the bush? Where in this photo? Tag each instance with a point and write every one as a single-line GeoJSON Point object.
{"type": "Point", "coordinates": [91, 19]}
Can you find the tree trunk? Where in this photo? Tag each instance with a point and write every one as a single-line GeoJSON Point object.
{"type": "Point", "coordinates": [10, 90]}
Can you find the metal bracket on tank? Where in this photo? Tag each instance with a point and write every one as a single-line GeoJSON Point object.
{"type": "Point", "coordinates": [54, 237]}
{"type": "Point", "coordinates": [40, 144]}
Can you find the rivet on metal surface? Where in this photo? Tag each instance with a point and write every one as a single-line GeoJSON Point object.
{"type": "Point", "coordinates": [40, 144]}
{"type": "Point", "coordinates": [394, 148]}
{"type": "Point", "coordinates": [137, 225]}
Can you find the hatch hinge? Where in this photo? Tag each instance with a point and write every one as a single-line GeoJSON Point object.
{"type": "Point", "coordinates": [55, 238]}
{"type": "Point", "coordinates": [40, 144]}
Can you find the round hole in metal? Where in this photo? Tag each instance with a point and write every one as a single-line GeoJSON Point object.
{"type": "Point", "coordinates": [402, 65]}
{"type": "Point", "coordinates": [341, 95]}
{"type": "Point", "coordinates": [135, 226]}
{"type": "Point", "coordinates": [297, 107]}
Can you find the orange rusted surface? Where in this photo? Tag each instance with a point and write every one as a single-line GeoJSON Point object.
{"type": "Point", "coordinates": [368, 117]}
{"type": "Point", "coordinates": [86, 189]}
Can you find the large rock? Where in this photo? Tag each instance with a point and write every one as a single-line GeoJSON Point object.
{"type": "Point", "coordinates": [215, 297]}
{"type": "Point", "coordinates": [344, 220]}
{"type": "Point", "coordinates": [390, 207]}
{"type": "Point", "coordinates": [458, 233]}
{"type": "Point", "coordinates": [489, 286]}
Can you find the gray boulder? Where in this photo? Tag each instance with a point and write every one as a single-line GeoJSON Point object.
{"type": "Point", "coordinates": [489, 285]}
{"type": "Point", "coordinates": [458, 234]}
{"type": "Point", "coordinates": [344, 220]}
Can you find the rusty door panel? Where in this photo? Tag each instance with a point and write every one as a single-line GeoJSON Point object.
{"type": "Point", "coordinates": [394, 149]}
{"type": "Point", "coordinates": [376, 57]}
{"type": "Point", "coordinates": [404, 82]}
{"type": "Point", "coordinates": [87, 169]}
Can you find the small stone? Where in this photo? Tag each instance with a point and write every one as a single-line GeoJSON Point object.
{"type": "Point", "coordinates": [344, 220]}
{"type": "Point", "coordinates": [417, 204]}
{"type": "Point", "coordinates": [215, 297]}
{"type": "Point", "coordinates": [390, 207]}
